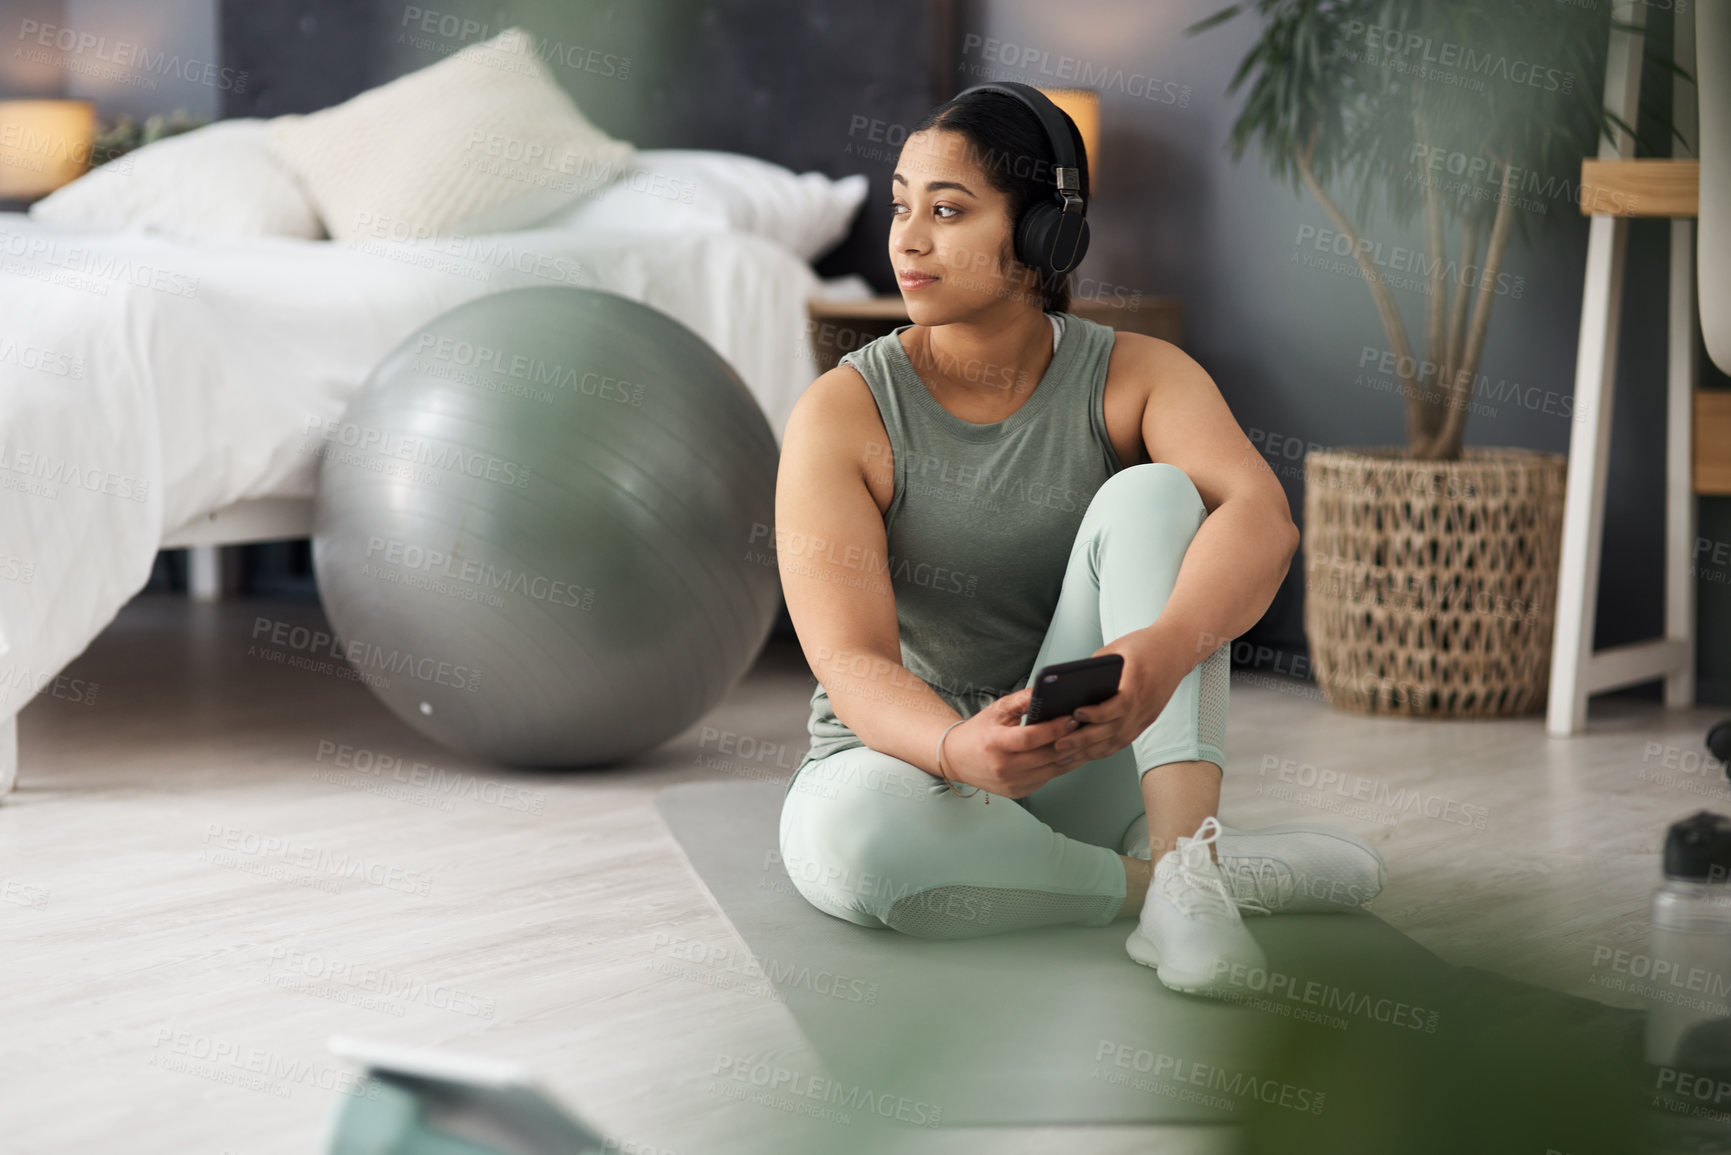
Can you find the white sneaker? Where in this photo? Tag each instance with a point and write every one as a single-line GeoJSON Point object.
{"type": "Point", "coordinates": [1300, 868]}
{"type": "Point", "coordinates": [1190, 930]}
{"type": "Point", "coordinates": [1296, 868]}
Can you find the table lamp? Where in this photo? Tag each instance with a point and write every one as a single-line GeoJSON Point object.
{"type": "Point", "coordinates": [1083, 107]}
{"type": "Point", "coordinates": [44, 144]}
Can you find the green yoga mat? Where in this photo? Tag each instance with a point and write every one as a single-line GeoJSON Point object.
{"type": "Point", "coordinates": [1057, 1025]}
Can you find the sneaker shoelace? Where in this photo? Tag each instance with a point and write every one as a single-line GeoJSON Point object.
{"type": "Point", "coordinates": [1202, 889]}
{"type": "Point", "coordinates": [1259, 884]}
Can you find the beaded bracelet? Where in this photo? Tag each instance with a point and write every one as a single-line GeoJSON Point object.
{"type": "Point", "coordinates": [940, 761]}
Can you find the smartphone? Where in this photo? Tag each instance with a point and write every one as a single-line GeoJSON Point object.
{"type": "Point", "coordinates": [1065, 687]}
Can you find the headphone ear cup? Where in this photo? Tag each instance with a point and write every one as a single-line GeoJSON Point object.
{"type": "Point", "coordinates": [1034, 236]}
{"type": "Point", "coordinates": [1045, 229]}
{"type": "Point", "coordinates": [1080, 242]}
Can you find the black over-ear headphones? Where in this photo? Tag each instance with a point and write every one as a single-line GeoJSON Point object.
{"type": "Point", "coordinates": [1051, 238]}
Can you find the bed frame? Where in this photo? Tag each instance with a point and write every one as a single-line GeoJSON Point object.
{"type": "Point", "coordinates": [264, 519]}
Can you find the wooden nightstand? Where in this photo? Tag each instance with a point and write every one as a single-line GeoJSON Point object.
{"type": "Point", "coordinates": [838, 327]}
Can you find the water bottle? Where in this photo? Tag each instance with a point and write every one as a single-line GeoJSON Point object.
{"type": "Point", "coordinates": [1688, 990]}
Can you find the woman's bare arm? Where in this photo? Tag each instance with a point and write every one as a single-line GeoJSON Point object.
{"type": "Point", "coordinates": [833, 555]}
{"type": "Point", "coordinates": [1241, 554]}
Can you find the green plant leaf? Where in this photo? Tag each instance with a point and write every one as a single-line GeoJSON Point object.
{"type": "Point", "coordinates": [1454, 67]}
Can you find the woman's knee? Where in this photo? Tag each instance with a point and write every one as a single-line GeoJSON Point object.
{"type": "Point", "coordinates": [858, 831]}
{"type": "Point", "coordinates": [1153, 483]}
{"type": "Point", "coordinates": [1149, 496]}
{"type": "Point", "coordinates": [841, 880]}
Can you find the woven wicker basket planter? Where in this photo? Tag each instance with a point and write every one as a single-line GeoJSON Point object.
{"type": "Point", "coordinates": [1430, 586]}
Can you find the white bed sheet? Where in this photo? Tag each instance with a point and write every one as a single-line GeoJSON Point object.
{"type": "Point", "coordinates": [145, 382]}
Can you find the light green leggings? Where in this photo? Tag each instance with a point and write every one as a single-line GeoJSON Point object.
{"type": "Point", "coordinates": [880, 842]}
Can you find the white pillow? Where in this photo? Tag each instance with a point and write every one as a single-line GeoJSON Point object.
{"type": "Point", "coordinates": [221, 180]}
{"type": "Point", "coordinates": [675, 190]}
{"type": "Point", "coordinates": [482, 141]}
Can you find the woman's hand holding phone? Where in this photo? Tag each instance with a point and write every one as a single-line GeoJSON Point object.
{"type": "Point", "coordinates": [1001, 756]}
{"type": "Point", "coordinates": [994, 751]}
{"type": "Point", "coordinates": [1153, 668]}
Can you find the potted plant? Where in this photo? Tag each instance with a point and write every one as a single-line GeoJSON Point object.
{"type": "Point", "coordinates": [1430, 569]}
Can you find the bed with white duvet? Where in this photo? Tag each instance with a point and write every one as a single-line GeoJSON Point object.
{"type": "Point", "coordinates": [148, 381]}
{"type": "Point", "coordinates": [181, 328]}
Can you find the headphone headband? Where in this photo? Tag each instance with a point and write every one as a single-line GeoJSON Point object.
{"type": "Point", "coordinates": [1069, 177]}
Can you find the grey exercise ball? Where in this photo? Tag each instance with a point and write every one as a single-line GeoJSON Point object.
{"type": "Point", "coordinates": [542, 526]}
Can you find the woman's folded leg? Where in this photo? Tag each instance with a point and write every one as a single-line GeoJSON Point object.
{"type": "Point", "coordinates": [872, 839]}
{"type": "Point", "coordinates": [1123, 566]}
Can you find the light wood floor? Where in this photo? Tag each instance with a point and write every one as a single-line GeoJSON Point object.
{"type": "Point", "coordinates": [179, 934]}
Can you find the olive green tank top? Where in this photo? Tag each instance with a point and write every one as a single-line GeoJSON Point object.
{"type": "Point", "coordinates": [982, 520]}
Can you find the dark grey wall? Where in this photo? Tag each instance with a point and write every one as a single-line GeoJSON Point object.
{"type": "Point", "coordinates": [1284, 340]}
